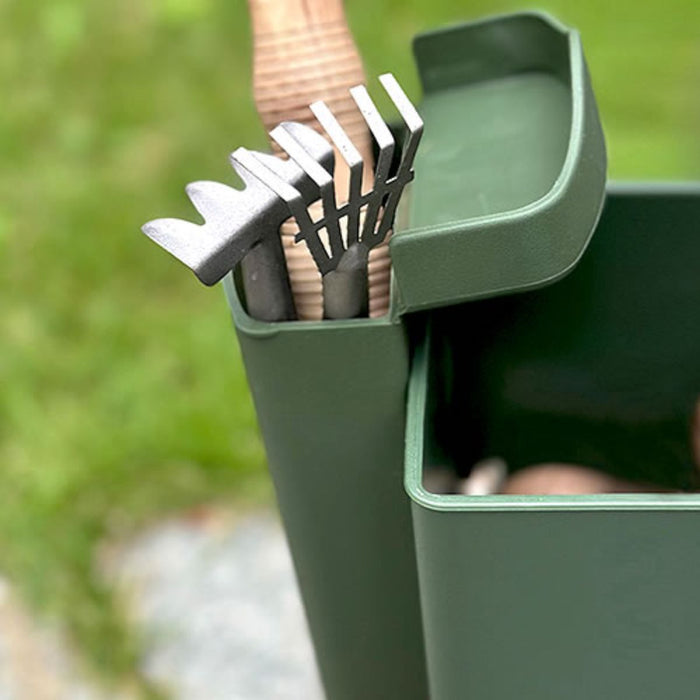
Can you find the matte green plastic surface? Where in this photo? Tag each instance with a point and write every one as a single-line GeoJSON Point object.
{"type": "Point", "coordinates": [510, 180]}
{"type": "Point", "coordinates": [577, 597]}
{"type": "Point", "coordinates": [510, 177]}
{"type": "Point", "coordinates": [330, 399]}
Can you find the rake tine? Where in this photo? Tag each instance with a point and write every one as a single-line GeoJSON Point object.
{"type": "Point", "coordinates": [404, 174]}
{"type": "Point", "coordinates": [291, 196]}
{"type": "Point", "coordinates": [294, 146]}
{"type": "Point", "coordinates": [388, 214]}
{"type": "Point", "coordinates": [410, 116]}
{"type": "Point", "coordinates": [385, 142]}
{"type": "Point", "coordinates": [380, 131]}
{"type": "Point", "coordinates": [352, 157]}
{"type": "Point", "coordinates": [246, 159]}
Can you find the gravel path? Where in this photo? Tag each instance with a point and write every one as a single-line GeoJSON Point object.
{"type": "Point", "coordinates": [35, 662]}
{"type": "Point", "coordinates": [218, 602]}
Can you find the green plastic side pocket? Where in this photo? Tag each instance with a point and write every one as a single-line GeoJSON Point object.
{"type": "Point", "coordinates": [510, 177]}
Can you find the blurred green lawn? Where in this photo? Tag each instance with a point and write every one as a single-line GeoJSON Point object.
{"type": "Point", "coordinates": [123, 395]}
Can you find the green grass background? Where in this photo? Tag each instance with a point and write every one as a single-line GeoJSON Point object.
{"type": "Point", "coordinates": [123, 397]}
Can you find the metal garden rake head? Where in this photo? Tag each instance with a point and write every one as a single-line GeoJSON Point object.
{"type": "Point", "coordinates": [242, 225]}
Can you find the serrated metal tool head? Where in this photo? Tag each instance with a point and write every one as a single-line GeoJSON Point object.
{"type": "Point", "coordinates": [235, 221]}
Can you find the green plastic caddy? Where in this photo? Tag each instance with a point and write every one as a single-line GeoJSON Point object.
{"type": "Point", "coordinates": [576, 597]}
{"type": "Point", "coordinates": [414, 595]}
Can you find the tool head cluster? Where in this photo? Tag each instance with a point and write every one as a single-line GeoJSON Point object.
{"type": "Point", "coordinates": [235, 221]}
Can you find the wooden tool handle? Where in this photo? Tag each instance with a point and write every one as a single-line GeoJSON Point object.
{"type": "Point", "coordinates": [303, 52]}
